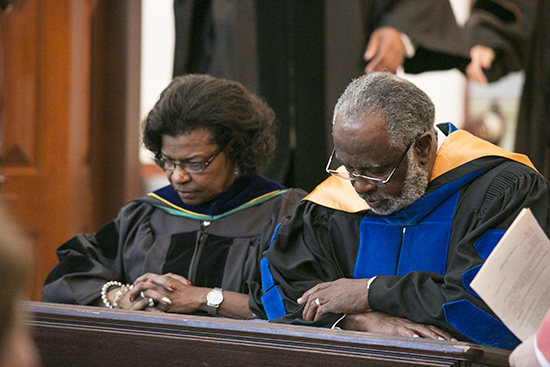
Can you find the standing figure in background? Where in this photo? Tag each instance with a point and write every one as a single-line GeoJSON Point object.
{"type": "Point", "coordinates": [193, 246]}
{"type": "Point", "coordinates": [535, 351]}
{"type": "Point", "coordinates": [511, 35]}
{"type": "Point", "coordinates": [17, 348]}
{"type": "Point", "coordinates": [300, 55]}
{"type": "Point", "coordinates": [418, 35]}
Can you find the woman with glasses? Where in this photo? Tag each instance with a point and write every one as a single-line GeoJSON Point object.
{"type": "Point", "coordinates": [193, 246]}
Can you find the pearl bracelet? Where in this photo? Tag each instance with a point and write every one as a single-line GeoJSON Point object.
{"type": "Point", "coordinates": [105, 289]}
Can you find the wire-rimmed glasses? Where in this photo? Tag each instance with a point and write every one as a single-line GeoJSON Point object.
{"type": "Point", "coordinates": [346, 175]}
{"type": "Point", "coordinates": [189, 167]}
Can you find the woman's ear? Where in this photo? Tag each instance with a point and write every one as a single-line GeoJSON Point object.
{"type": "Point", "coordinates": [229, 147]}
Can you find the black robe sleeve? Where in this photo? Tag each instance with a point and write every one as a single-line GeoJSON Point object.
{"type": "Point", "coordinates": [309, 248]}
{"type": "Point", "coordinates": [86, 262]}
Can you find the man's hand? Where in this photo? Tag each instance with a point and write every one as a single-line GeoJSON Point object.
{"type": "Point", "coordinates": [385, 50]}
{"type": "Point", "coordinates": [482, 58]}
{"type": "Point", "coordinates": [340, 296]}
{"type": "Point", "coordinates": [378, 322]}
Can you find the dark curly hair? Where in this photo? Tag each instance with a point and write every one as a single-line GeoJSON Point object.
{"type": "Point", "coordinates": [223, 107]}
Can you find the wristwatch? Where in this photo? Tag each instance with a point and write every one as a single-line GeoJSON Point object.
{"type": "Point", "coordinates": [213, 300]}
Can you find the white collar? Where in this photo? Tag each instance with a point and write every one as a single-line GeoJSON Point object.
{"type": "Point", "coordinates": [440, 136]}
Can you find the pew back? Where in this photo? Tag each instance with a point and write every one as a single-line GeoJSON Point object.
{"type": "Point", "coordinates": [69, 335]}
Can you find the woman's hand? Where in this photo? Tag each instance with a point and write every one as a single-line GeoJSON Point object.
{"type": "Point", "coordinates": [174, 293]}
{"type": "Point", "coordinates": [126, 303]}
{"type": "Point", "coordinates": [169, 293]}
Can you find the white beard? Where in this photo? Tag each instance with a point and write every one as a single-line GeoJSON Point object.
{"type": "Point", "coordinates": [414, 187]}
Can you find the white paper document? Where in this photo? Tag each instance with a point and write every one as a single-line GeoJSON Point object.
{"type": "Point", "coordinates": [515, 279]}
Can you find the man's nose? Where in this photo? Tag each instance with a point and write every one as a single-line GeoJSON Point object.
{"type": "Point", "coordinates": [363, 186]}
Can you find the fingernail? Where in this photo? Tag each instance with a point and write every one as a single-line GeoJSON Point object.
{"type": "Point", "coordinates": [299, 300]}
{"type": "Point", "coordinates": [440, 338]}
{"type": "Point", "coordinates": [416, 336]}
{"type": "Point", "coordinates": [172, 287]}
{"type": "Point", "coordinates": [166, 300]}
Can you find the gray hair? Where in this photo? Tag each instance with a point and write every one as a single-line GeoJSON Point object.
{"type": "Point", "coordinates": [407, 110]}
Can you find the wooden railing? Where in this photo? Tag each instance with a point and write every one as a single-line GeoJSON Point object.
{"type": "Point", "coordinates": [82, 336]}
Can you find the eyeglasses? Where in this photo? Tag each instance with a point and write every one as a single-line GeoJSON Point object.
{"type": "Point", "coordinates": [188, 167]}
{"type": "Point", "coordinates": [354, 176]}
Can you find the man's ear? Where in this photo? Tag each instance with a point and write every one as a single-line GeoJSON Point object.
{"type": "Point", "coordinates": [425, 147]}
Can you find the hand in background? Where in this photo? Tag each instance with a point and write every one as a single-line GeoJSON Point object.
{"type": "Point", "coordinates": [482, 58]}
{"type": "Point", "coordinates": [385, 51]}
{"type": "Point", "coordinates": [524, 354]}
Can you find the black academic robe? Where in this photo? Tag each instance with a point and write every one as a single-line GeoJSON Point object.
{"type": "Point", "coordinates": [424, 256]}
{"type": "Point", "coordinates": [217, 244]}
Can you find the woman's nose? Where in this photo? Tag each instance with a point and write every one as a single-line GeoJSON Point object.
{"type": "Point", "coordinates": [180, 176]}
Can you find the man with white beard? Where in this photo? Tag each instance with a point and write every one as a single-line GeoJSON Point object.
{"type": "Point", "coordinates": [395, 251]}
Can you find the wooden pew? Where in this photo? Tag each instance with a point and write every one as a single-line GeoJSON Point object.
{"type": "Point", "coordinates": [82, 336]}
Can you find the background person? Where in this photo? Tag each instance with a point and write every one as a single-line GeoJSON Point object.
{"type": "Point", "coordinates": [511, 35]}
{"type": "Point", "coordinates": [535, 351]}
{"type": "Point", "coordinates": [17, 348]}
{"type": "Point", "coordinates": [393, 241]}
{"type": "Point", "coordinates": [192, 246]}
{"type": "Point", "coordinates": [300, 55]}
{"type": "Point", "coordinates": [418, 35]}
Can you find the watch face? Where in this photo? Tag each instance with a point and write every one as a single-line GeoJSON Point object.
{"type": "Point", "coordinates": [214, 297]}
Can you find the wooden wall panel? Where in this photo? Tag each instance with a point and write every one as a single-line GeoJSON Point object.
{"type": "Point", "coordinates": [52, 174]}
{"type": "Point", "coordinates": [45, 48]}
{"type": "Point", "coordinates": [19, 48]}
{"type": "Point", "coordinates": [18, 145]}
